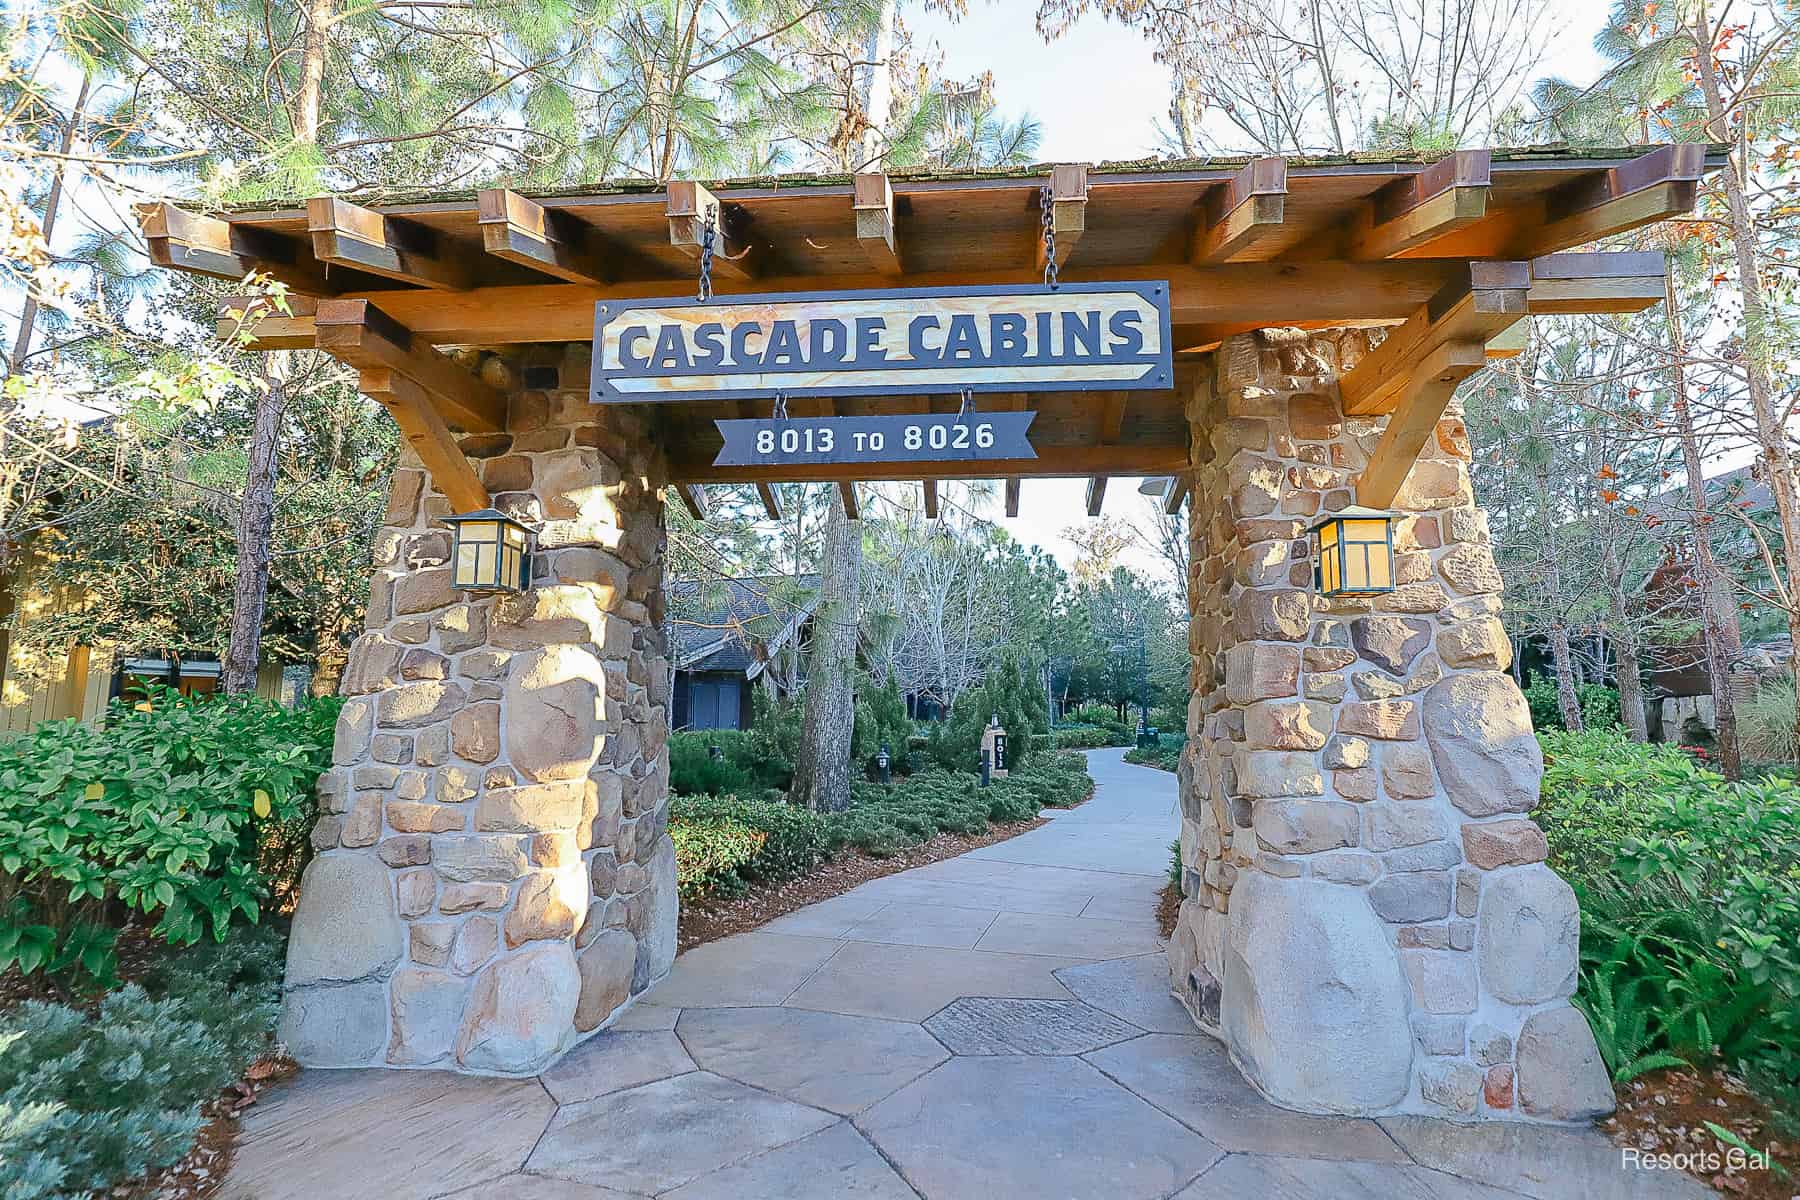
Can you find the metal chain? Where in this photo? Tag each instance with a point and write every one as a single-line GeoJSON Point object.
{"type": "Point", "coordinates": [708, 235]}
{"type": "Point", "coordinates": [1045, 206]}
{"type": "Point", "coordinates": [968, 404]}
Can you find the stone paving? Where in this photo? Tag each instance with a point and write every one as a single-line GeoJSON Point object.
{"type": "Point", "coordinates": [997, 1025]}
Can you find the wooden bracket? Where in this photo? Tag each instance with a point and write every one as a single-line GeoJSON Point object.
{"type": "Point", "coordinates": [1427, 393]}
{"type": "Point", "coordinates": [1406, 214]}
{"type": "Point", "coordinates": [358, 333]}
{"type": "Point", "coordinates": [203, 245]}
{"type": "Point", "coordinates": [847, 490]}
{"type": "Point", "coordinates": [1096, 495]}
{"type": "Point", "coordinates": [1492, 298]}
{"type": "Point", "coordinates": [873, 203]}
{"type": "Point", "coordinates": [1068, 210]}
{"type": "Point", "coordinates": [1012, 497]}
{"type": "Point", "coordinates": [521, 230]}
{"type": "Point", "coordinates": [423, 427]}
{"type": "Point", "coordinates": [771, 501]}
{"type": "Point", "coordinates": [693, 497]}
{"type": "Point", "coordinates": [929, 488]}
{"type": "Point", "coordinates": [690, 207]}
{"type": "Point", "coordinates": [353, 236]}
{"type": "Point", "coordinates": [1241, 212]}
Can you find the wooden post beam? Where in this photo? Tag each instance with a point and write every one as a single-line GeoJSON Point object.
{"type": "Point", "coordinates": [694, 464]}
{"type": "Point", "coordinates": [1096, 495]}
{"type": "Point", "coordinates": [1427, 393]}
{"type": "Point", "coordinates": [1012, 497]}
{"type": "Point", "coordinates": [847, 490]}
{"type": "Point", "coordinates": [1240, 212]}
{"type": "Point", "coordinates": [1616, 282]}
{"type": "Point", "coordinates": [1651, 187]}
{"type": "Point", "coordinates": [929, 488]}
{"type": "Point", "coordinates": [771, 501]}
{"type": "Point", "coordinates": [423, 427]}
{"type": "Point", "coordinates": [521, 230]}
{"type": "Point", "coordinates": [690, 208]}
{"type": "Point", "coordinates": [1492, 298]}
{"type": "Point", "coordinates": [1444, 197]}
{"type": "Point", "coordinates": [358, 333]}
{"type": "Point", "coordinates": [353, 236]}
{"type": "Point", "coordinates": [693, 498]}
{"type": "Point", "coordinates": [204, 245]}
{"type": "Point", "coordinates": [1177, 494]}
{"type": "Point", "coordinates": [1068, 210]}
{"type": "Point", "coordinates": [872, 200]}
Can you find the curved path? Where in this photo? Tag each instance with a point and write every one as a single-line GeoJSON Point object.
{"type": "Point", "coordinates": [991, 1026]}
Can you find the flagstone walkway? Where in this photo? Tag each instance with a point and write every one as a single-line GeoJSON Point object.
{"type": "Point", "coordinates": [992, 1026]}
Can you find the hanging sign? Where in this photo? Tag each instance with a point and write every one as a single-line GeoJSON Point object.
{"type": "Point", "coordinates": [772, 441]}
{"type": "Point", "coordinates": [1077, 337]}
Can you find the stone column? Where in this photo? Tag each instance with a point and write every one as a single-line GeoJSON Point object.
{"type": "Point", "coordinates": [1367, 920]}
{"type": "Point", "coordinates": [495, 878]}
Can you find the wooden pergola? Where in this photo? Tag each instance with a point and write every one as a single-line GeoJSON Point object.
{"type": "Point", "coordinates": [1451, 254]}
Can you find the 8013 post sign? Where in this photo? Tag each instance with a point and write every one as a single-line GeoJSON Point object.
{"type": "Point", "coordinates": [978, 436]}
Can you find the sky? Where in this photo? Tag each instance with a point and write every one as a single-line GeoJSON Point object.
{"type": "Point", "coordinates": [1097, 94]}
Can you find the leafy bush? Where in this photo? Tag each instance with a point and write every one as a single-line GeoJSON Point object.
{"type": "Point", "coordinates": [1006, 693]}
{"type": "Point", "coordinates": [695, 770]}
{"type": "Point", "coordinates": [90, 1100]}
{"type": "Point", "coordinates": [881, 720]}
{"type": "Point", "coordinates": [794, 840]}
{"type": "Point", "coordinates": [1090, 737]}
{"type": "Point", "coordinates": [162, 811]}
{"type": "Point", "coordinates": [1690, 891]}
{"type": "Point", "coordinates": [708, 854]}
{"type": "Point", "coordinates": [1165, 755]}
{"type": "Point", "coordinates": [1599, 704]}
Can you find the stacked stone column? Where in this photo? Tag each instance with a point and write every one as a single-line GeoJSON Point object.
{"type": "Point", "coordinates": [1367, 919]}
{"type": "Point", "coordinates": [495, 878]}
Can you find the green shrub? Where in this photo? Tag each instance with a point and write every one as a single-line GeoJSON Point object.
{"type": "Point", "coordinates": [1690, 891]}
{"type": "Point", "coordinates": [1599, 704]}
{"type": "Point", "coordinates": [881, 720]}
{"type": "Point", "coordinates": [695, 770]}
{"type": "Point", "coordinates": [1008, 692]}
{"type": "Point", "coordinates": [794, 840]}
{"type": "Point", "coordinates": [1766, 724]}
{"type": "Point", "coordinates": [1090, 737]}
{"type": "Point", "coordinates": [1165, 755]}
{"type": "Point", "coordinates": [88, 1101]}
{"type": "Point", "coordinates": [709, 853]}
{"type": "Point", "coordinates": [164, 811]}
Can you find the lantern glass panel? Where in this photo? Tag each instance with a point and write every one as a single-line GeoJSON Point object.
{"type": "Point", "coordinates": [1356, 556]}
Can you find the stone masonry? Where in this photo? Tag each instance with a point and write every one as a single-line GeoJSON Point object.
{"type": "Point", "coordinates": [495, 880]}
{"type": "Point", "coordinates": [1367, 919]}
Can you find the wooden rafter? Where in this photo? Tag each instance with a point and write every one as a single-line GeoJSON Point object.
{"type": "Point", "coordinates": [929, 490]}
{"type": "Point", "coordinates": [521, 230]}
{"type": "Point", "coordinates": [1417, 209]}
{"type": "Point", "coordinates": [423, 427]}
{"type": "Point", "coordinates": [1012, 497]}
{"type": "Point", "coordinates": [1177, 494]}
{"type": "Point", "coordinates": [690, 207]}
{"type": "Point", "coordinates": [1068, 210]}
{"type": "Point", "coordinates": [1112, 423]}
{"type": "Point", "coordinates": [1655, 185]}
{"type": "Point", "coordinates": [207, 245]}
{"type": "Point", "coordinates": [847, 490]}
{"type": "Point", "coordinates": [872, 200]}
{"type": "Point", "coordinates": [693, 498]}
{"type": "Point", "coordinates": [362, 335]}
{"type": "Point", "coordinates": [350, 235]}
{"type": "Point", "coordinates": [695, 465]}
{"type": "Point", "coordinates": [1491, 299]}
{"type": "Point", "coordinates": [1241, 212]}
{"type": "Point", "coordinates": [1605, 282]}
{"type": "Point", "coordinates": [1427, 393]}
{"type": "Point", "coordinates": [1096, 495]}
{"type": "Point", "coordinates": [771, 500]}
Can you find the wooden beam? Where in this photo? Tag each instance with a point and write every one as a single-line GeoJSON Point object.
{"type": "Point", "coordinates": [423, 427]}
{"type": "Point", "coordinates": [1652, 187]}
{"type": "Point", "coordinates": [350, 235]}
{"type": "Point", "coordinates": [358, 333]}
{"type": "Point", "coordinates": [521, 230]}
{"type": "Point", "coordinates": [929, 488]}
{"type": "Point", "coordinates": [1177, 494]}
{"type": "Point", "coordinates": [1492, 298]}
{"type": "Point", "coordinates": [873, 203]}
{"type": "Point", "coordinates": [267, 327]}
{"type": "Point", "coordinates": [1406, 214]}
{"type": "Point", "coordinates": [695, 465]}
{"type": "Point", "coordinates": [690, 208]}
{"type": "Point", "coordinates": [1253, 294]}
{"type": "Point", "coordinates": [1616, 282]}
{"type": "Point", "coordinates": [771, 501]}
{"type": "Point", "coordinates": [1012, 497]}
{"type": "Point", "coordinates": [1068, 210]}
{"type": "Point", "coordinates": [693, 498]}
{"type": "Point", "coordinates": [847, 490]}
{"type": "Point", "coordinates": [203, 245]}
{"type": "Point", "coordinates": [1096, 495]}
{"type": "Point", "coordinates": [1241, 212]}
{"type": "Point", "coordinates": [1428, 391]}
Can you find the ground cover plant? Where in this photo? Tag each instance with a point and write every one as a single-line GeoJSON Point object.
{"type": "Point", "coordinates": [1164, 755]}
{"type": "Point", "coordinates": [1690, 898]}
{"type": "Point", "coordinates": [181, 815]}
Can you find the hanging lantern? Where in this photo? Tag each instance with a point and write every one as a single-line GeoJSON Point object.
{"type": "Point", "coordinates": [1353, 553]}
{"type": "Point", "coordinates": [493, 552]}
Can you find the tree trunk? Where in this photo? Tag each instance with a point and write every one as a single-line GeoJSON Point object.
{"type": "Point", "coordinates": [1770, 429]}
{"type": "Point", "coordinates": [256, 520]}
{"type": "Point", "coordinates": [878, 99]}
{"type": "Point", "coordinates": [308, 97]}
{"type": "Point", "coordinates": [1566, 700]}
{"type": "Point", "coordinates": [52, 203]}
{"type": "Point", "coordinates": [1719, 635]}
{"type": "Point", "coordinates": [822, 774]}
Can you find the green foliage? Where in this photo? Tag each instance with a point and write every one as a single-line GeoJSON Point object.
{"type": "Point", "coordinates": [1175, 862]}
{"type": "Point", "coordinates": [712, 834]}
{"type": "Point", "coordinates": [1766, 729]}
{"type": "Point", "coordinates": [90, 1100]}
{"type": "Point", "coordinates": [1690, 893]}
{"type": "Point", "coordinates": [1165, 755]}
{"type": "Point", "coordinates": [708, 854]}
{"type": "Point", "coordinates": [749, 763]}
{"type": "Point", "coordinates": [1090, 737]}
{"type": "Point", "coordinates": [1599, 704]}
{"type": "Point", "coordinates": [881, 720]}
{"type": "Point", "coordinates": [1008, 692]}
{"type": "Point", "coordinates": [159, 812]}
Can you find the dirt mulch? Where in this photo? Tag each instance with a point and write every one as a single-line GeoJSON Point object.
{"type": "Point", "coordinates": [138, 955]}
{"type": "Point", "coordinates": [1665, 1113]}
{"type": "Point", "coordinates": [1168, 908]}
{"type": "Point", "coordinates": [204, 1167]}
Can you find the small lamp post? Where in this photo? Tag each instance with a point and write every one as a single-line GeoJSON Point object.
{"type": "Point", "coordinates": [1353, 553]}
{"type": "Point", "coordinates": [882, 762]}
{"type": "Point", "coordinates": [492, 552]}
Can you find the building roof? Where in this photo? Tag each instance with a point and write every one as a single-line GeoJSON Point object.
{"type": "Point", "coordinates": [736, 625]}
